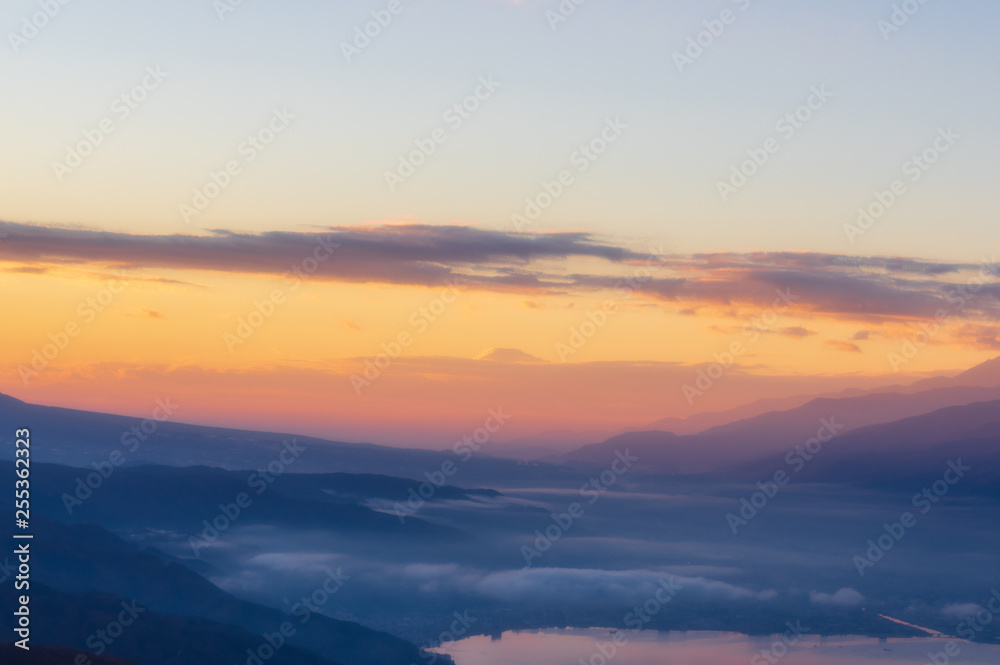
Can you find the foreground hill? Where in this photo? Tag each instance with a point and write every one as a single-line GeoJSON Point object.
{"type": "Point", "coordinates": [84, 573]}
{"type": "Point", "coordinates": [39, 655]}
{"type": "Point", "coordinates": [128, 496]}
{"type": "Point", "coordinates": [74, 619]}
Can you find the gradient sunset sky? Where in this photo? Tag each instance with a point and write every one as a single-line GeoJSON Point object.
{"type": "Point", "coordinates": [638, 246]}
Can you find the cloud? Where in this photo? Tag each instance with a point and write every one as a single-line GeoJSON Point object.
{"type": "Point", "coordinates": [28, 270]}
{"type": "Point", "coordinates": [572, 584]}
{"type": "Point", "coordinates": [979, 336]}
{"type": "Point", "coordinates": [153, 314]}
{"type": "Point", "coordinates": [862, 336]}
{"type": "Point", "coordinates": [307, 562]}
{"type": "Point", "coordinates": [796, 331]}
{"type": "Point", "coordinates": [961, 611]}
{"type": "Point", "coordinates": [843, 346]}
{"type": "Point", "coordinates": [581, 585]}
{"type": "Point", "coordinates": [845, 597]}
{"type": "Point", "coordinates": [736, 285]}
{"type": "Point", "coordinates": [409, 254]}
{"type": "Point", "coordinates": [746, 285]}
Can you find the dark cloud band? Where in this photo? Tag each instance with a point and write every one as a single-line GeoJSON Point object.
{"type": "Point", "coordinates": [411, 254]}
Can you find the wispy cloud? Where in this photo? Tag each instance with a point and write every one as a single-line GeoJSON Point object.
{"type": "Point", "coordinates": [845, 597]}
{"type": "Point", "coordinates": [840, 345]}
{"type": "Point", "coordinates": [796, 331]}
{"type": "Point", "coordinates": [413, 254]}
{"type": "Point", "coordinates": [397, 254]}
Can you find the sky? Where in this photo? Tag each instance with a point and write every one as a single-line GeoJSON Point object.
{"type": "Point", "coordinates": [568, 212]}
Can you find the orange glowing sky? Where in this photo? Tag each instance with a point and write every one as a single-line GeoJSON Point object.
{"type": "Point", "coordinates": [618, 159]}
{"type": "Point", "coordinates": [589, 336]}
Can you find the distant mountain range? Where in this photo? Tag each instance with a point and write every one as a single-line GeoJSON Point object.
{"type": "Point", "coordinates": [78, 438]}
{"type": "Point", "coordinates": [985, 375]}
{"type": "Point", "coordinates": [777, 432]}
{"type": "Point", "coordinates": [550, 445]}
{"type": "Point", "coordinates": [177, 475]}
{"type": "Point", "coordinates": [909, 452]}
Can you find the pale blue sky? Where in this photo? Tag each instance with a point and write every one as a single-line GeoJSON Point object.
{"type": "Point", "coordinates": [610, 59]}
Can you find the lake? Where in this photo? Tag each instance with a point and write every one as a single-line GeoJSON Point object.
{"type": "Point", "coordinates": [595, 647]}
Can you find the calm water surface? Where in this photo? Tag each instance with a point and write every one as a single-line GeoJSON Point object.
{"type": "Point", "coordinates": [569, 646]}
